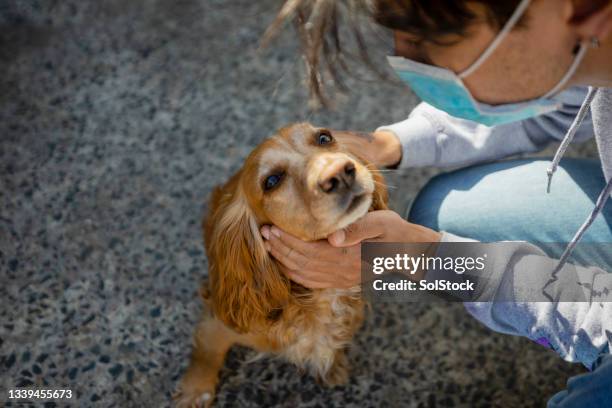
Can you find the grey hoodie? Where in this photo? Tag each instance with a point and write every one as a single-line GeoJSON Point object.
{"type": "Point", "coordinates": [578, 331]}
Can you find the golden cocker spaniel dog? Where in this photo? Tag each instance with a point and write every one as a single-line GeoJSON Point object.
{"type": "Point", "coordinates": [309, 182]}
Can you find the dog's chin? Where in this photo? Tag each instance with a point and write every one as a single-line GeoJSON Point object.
{"type": "Point", "coordinates": [358, 207]}
{"type": "Point", "coordinates": [352, 211]}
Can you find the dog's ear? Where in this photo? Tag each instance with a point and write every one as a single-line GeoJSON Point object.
{"type": "Point", "coordinates": [246, 286]}
{"type": "Point", "coordinates": [351, 143]}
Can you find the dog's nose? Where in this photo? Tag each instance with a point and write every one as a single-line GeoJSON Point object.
{"type": "Point", "coordinates": [337, 176]}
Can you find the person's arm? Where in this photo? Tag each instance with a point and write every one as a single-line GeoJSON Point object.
{"type": "Point", "coordinates": [514, 273]}
{"type": "Point", "coordinates": [431, 137]}
{"type": "Point", "coordinates": [577, 325]}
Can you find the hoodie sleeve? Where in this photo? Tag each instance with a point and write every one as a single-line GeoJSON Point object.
{"type": "Point", "coordinates": [431, 137]}
{"type": "Point", "coordinates": [578, 325]}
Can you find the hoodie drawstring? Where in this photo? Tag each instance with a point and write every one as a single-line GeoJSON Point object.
{"type": "Point", "coordinates": [569, 136]}
{"type": "Point", "coordinates": [599, 205]}
{"type": "Point", "coordinates": [601, 200]}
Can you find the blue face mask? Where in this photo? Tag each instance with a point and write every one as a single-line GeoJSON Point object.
{"type": "Point", "coordinates": [446, 91]}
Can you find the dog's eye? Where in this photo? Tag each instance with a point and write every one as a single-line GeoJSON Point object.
{"type": "Point", "coordinates": [323, 138]}
{"type": "Point", "coordinates": [272, 181]}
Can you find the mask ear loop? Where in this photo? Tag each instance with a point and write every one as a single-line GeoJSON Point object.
{"type": "Point", "coordinates": [514, 18]}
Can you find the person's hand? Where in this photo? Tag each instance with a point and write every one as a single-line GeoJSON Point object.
{"type": "Point", "coordinates": [381, 148]}
{"type": "Point", "coordinates": [336, 262]}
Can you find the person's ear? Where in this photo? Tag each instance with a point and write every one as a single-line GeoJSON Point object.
{"type": "Point", "coordinates": [591, 19]}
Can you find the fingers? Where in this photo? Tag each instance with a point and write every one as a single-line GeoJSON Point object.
{"type": "Point", "coordinates": [337, 238]}
{"type": "Point", "coordinates": [286, 255]}
{"type": "Point", "coordinates": [292, 247]}
{"type": "Point", "coordinates": [289, 240]}
{"type": "Point", "coordinates": [295, 265]}
{"type": "Point", "coordinates": [369, 226]}
{"type": "Point", "coordinates": [315, 265]}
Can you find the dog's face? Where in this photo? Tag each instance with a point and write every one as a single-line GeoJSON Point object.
{"type": "Point", "coordinates": [305, 181]}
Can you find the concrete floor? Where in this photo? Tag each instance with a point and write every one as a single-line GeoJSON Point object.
{"type": "Point", "coordinates": [116, 120]}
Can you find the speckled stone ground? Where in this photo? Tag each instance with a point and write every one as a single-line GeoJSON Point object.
{"type": "Point", "coordinates": [116, 120]}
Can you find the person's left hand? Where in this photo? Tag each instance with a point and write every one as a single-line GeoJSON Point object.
{"type": "Point", "coordinates": [336, 262]}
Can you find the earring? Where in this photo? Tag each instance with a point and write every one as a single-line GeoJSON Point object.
{"type": "Point", "coordinates": [594, 42]}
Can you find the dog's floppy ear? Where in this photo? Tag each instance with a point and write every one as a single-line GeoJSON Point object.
{"type": "Point", "coordinates": [351, 143]}
{"type": "Point", "coordinates": [246, 286]}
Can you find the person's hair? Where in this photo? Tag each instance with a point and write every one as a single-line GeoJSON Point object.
{"type": "Point", "coordinates": [318, 23]}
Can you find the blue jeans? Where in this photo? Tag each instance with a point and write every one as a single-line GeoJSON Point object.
{"type": "Point", "coordinates": [508, 201]}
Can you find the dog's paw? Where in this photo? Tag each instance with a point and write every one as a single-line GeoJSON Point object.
{"type": "Point", "coordinates": [193, 398]}
{"type": "Point", "coordinates": [336, 377]}
{"type": "Point", "coordinates": [338, 373]}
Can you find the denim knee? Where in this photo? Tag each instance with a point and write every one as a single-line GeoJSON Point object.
{"type": "Point", "coordinates": [508, 201]}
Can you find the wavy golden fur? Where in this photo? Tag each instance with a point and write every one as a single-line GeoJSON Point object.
{"type": "Point", "coordinates": [320, 187]}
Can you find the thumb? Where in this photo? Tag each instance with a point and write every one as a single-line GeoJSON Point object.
{"type": "Point", "coordinates": [366, 227]}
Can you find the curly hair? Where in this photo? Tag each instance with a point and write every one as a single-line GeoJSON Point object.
{"type": "Point", "coordinates": [318, 24]}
